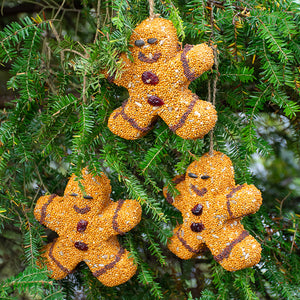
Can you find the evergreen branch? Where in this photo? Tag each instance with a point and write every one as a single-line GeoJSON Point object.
{"type": "Point", "coordinates": [207, 295]}
{"type": "Point", "coordinates": [15, 32]}
{"type": "Point", "coordinates": [28, 64]}
{"type": "Point", "coordinates": [30, 244]}
{"type": "Point", "coordinates": [151, 155]}
{"type": "Point", "coordinates": [241, 282]}
{"type": "Point", "coordinates": [137, 192]}
{"type": "Point", "coordinates": [260, 100]}
{"type": "Point", "coordinates": [145, 275]}
{"type": "Point", "coordinates": [54, 295]}
{"type": "Point", "coordinates": [27, 282]}
{"type": "Point", "coordinates": [24, 278]}
{"type": "Point", "coordinates": [274, 78]}
{"type": "Point", "coordinates": [154, 247]}
{"type": "Point", "coordinates": [290, 108]}
{"type": "Point", "coordinates": [267, 34]}
{"type": "Point", "coordinates": [11, 33]}
{"type": "Point", "coordinates": [62, 103]}
{"type": "Point", "coordinates": [280, 287]}
{"type": "Point", "coordinates": [176, 19]}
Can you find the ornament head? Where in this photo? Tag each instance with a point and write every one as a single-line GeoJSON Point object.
{"type": "Point", "coordinates": [212, 172]}
{"type": "Point", "coordinates": [154, 40]}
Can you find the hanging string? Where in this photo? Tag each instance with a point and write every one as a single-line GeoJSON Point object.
{"type": "Point", "coordinates": [151, 9]}
{"type": "Point", "coordinates": [211, 133]}
{"type": "Point", "coordinates": [212, 98]}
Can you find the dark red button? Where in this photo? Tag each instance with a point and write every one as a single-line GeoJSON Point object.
{"type": "Point", "coordinates": [81, 246]}
{"type": "Point", "coordinates": [197, 227]}
{"type": "Point", "coordinates": [150, 78]}
{"type": "Point", "coordinates": [197, 209]}
{"type": "Point", "coordinates": [155, 101]}
{"type": "Point", "coordinates": [81, 225]}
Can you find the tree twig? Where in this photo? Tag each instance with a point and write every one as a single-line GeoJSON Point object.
{"type": "Point", "coordinates": [98, 20]}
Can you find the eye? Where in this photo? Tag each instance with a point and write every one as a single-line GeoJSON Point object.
{"type": "Point", "coordinates": [139, 43]}
{"type": "Point", "coordinates": [152, 41]}
{"type": "Point", "coordinates": [205, 177]}
{"type": "Point", "coordinates": [192, 175]}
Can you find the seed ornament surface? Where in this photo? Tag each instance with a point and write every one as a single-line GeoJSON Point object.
{"type": "Point", "coordinates": [212, 206]}
{"type": "Point", "coordinates": [88, 224]}
{"type": "Point", "coordinates": [158, 80]}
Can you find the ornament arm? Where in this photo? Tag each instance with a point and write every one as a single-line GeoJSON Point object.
{"type": "Point", "coordinates": [124, 76]}
{"type": "Point", "coordinates": [191, 62]}
{"type": "Point", "coordinates": [47, 206]}
{"type": "Point", "coordinates": [243, 200]}
{"type": "Point", "coordinates": [121, 216]}
{"type": "Point", "coordinates": [178, 201]}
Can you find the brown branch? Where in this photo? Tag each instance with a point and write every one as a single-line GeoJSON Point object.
{"type": "Point", "coordinates": [98, 20]}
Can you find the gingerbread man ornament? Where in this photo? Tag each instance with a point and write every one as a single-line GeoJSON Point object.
{"type": "Point", "coordinates": [158, 80]}
{"type": "Point", "coordinates": [88, 224]}
{"type": "Point", "coordinates": [212, 206]}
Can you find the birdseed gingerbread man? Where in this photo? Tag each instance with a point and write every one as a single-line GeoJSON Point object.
{"type": "Point", "coordinates": [212, 206]}
{"type": "Point", "coordinates": [88, 224]}
{"type": "Point", "coordinates": [158, 80]}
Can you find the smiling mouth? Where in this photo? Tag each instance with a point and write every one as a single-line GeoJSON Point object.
{"type": "Point", "coordinates": [151, 59]}
{"type": "Point", "coordinates": [201, 192]}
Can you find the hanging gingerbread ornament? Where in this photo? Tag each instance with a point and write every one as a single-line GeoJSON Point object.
{"type": "Point", "coordinates": [88, 224]}
{"type": "Point", "coordinates": [158, 80]}
{"type": "Point", "coordinates": [212, 206]}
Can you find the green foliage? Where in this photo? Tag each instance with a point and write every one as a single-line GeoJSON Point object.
{"type": "Point", "coordinates": [35, 282]}
{"type": "Point", "coordinates": [57, 124]}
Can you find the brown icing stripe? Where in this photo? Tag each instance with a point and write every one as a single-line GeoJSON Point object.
{"type": "Point", "coordinates": [176, 180]}
{"type": "Point", "coordinates": [185, 63]}
{"type": "Point", "coordinates": [110, 265]}
{"type": "Point", "coordinates": [228, 208]}
{"type": "Point", "coordinates": [227, 250]}
{"type": "Point", "coordinates": [44, 208]}
{"type": "Point", "coordinates": [115, 224]}
{"type": "Point", "coordinates": [112, 77]}
{"type": "Point", "coordinates": [185, 115]}
{"type": "Point", "coordinates": [201, 192]}
{"type": "Point", "coordinates": [132, 122]}
{"type": "Point", "coordinates": [169, 198]}
{"type": "Point", "coordinates": [142, 57]}
{"type": "Point", "coordinates": [228, 196]}
{"type": "Point", "coordinates": [83, 210]}
{"type": "Point", "coordinates": [178, 47]}
{"type": "Point", "coordinates": [179, 179]}
{"type": "Point", "coordinates": [64, 269]}
{"type": "Point", "coordinates": [185, 244]}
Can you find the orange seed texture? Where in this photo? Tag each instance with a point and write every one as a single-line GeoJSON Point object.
{"type": "Point", "coordinates": [212, 206]}
{"type": "Point", "coordinates": [158, 81]}
{"type": "Point", "coordinates": [88, 224]}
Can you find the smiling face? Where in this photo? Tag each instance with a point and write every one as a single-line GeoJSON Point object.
{"type": "Point", "coordinates": [97, 192]}
{"type": "Point", "coordinates": [213, 174]}
{"type": "Point", "coordinates": [154, 40]}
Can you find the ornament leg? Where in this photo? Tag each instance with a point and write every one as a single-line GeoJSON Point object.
{"type": "Point", "coordinates": [61, 259]}
{"type": "Point", "coordinates": [235, 248]}
{"type": "Point", "coordinates": [131, 121]}
{"type": "Point", "coordinates": [110, 263]}
{"type": "Point", "coordinates": [189, 117]}
{"type": "Point", "coordinates": [185, 243]}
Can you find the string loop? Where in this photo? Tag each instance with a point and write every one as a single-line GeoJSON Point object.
{"type": "Point", "coordinates": [151, 10]}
